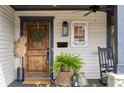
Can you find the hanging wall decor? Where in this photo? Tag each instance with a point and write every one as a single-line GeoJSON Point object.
{"type": "Point", "coordinates": [65, 28]}
{"type": "Point", "coordinates": [79, 34]}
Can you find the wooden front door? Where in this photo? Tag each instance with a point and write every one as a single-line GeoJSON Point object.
{"type": "Point", "coordinates": [37, 50]}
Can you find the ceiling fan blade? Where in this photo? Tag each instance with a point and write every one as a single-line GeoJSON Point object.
{"type": "Point", "coordinates": [77, 11]}
{"type": "Point", "coordinates": [88, 13]}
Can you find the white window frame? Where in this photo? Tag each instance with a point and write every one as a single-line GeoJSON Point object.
{"type": "Point", "coordinates": [79, 43]}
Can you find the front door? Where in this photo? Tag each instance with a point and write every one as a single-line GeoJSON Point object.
{"type": "Point", "coordinates": [36, 65]}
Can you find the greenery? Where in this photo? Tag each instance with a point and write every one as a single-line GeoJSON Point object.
{"type": "Point", "coordinates": [37, 35]}
{"type": "Point", "coordinates": [65, 61]}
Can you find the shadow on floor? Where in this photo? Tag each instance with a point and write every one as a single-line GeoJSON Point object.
{"type": "Point", "coordinates": [95, 83]}
{"type": "Point", "coordinates": [92, 83]}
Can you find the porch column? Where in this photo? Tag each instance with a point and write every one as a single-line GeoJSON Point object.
{"type": "Point", "coordinates": [120, 39]}
{"type": "Point", "coordinates": [109, 24]}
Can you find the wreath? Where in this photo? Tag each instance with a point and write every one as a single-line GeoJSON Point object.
{"type": "Point", "coordinates": [37, 35]}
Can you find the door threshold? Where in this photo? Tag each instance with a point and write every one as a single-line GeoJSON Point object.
{"type": "Point", "coordinates": [37, 78]}
{"type": "Point", "coordinates": [38, 82]}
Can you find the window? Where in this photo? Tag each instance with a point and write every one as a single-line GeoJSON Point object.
{"type": "Point", "coordinates": [79, 33]}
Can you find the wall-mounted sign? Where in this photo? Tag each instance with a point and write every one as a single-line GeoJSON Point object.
{"type": "Point", "coordinates": [62, 44]}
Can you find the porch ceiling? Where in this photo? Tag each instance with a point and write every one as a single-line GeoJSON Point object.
{"type": "Point", "coordinates": [53, 7]}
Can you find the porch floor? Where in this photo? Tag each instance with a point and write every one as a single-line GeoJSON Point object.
{"type": "Point", "coordinates": [92, 83]}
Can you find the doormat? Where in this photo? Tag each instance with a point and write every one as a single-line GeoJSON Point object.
{"type": "Point", "coordinates": [38, 83]}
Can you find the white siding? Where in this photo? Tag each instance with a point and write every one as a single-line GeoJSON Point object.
{"type": "Point", "coordinates": [7, 20]}
{"type": "Point", "coordinates": [96, 35]}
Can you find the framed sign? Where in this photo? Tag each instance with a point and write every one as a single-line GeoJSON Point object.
{"type": "Point", "coordinates": [79, 34]}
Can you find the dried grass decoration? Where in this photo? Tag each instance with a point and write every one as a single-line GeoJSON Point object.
{"type": "Point", "coordinates": [20, 47]}
{"type": "Point", "coordinates": [37, 35]}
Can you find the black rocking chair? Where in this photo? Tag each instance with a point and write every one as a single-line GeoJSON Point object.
{"type": "Point", "coordinates": [105, 62]}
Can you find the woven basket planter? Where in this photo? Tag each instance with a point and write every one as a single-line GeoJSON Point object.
{"type": "Point", "coordinates": [64, 79]}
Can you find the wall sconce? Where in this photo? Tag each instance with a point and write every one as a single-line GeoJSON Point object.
{"type": "Point", "coordinates": [64, 28]}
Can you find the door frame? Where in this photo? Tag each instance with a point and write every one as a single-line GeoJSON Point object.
{"type": "Point", "coordinates": [49, 19]}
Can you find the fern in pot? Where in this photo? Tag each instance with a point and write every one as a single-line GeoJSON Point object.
{"type": "Point", "coordinates": [65, 66]}
{"type": "Point", "coordinates": [66, 62]}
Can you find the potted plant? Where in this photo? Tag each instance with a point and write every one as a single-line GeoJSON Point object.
{"type": "Point", "coordinates": [66, 64]}
{"type": "Point", "coordinates": [20, 51]}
